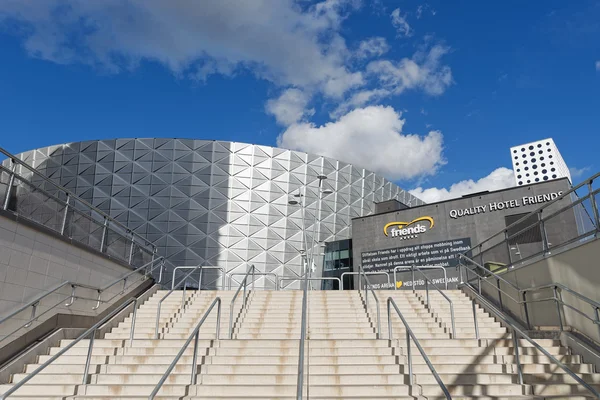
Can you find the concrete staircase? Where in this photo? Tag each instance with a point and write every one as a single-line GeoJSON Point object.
{"type": "Point", "coordinates": [344, 359]}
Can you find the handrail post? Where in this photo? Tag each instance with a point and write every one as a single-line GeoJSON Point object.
{"type": "Point", "coordinates": [63, 225]}
{"type": "Point", "coordinates": [597, 312]}
{"type": "Point", "coordinates": [594, 205]}
{"type": "Point", "coordinates": [475, 319]}
{"type": "Point", "coordinates": [517, 358]}
{"type": "Point", "coordinates": [88, 358]}
{"type": "Point", "coordinates": [195, 359]}
{"type": "Point", "coordinates": [133, 319]}
{"type": "Point", "coordinates": [499, 294]}
{"type": "Point", "coordinates": [413, 277]}
{"type": "Point", "coordinates": [124, 285]}
{"type": "Point", "coordinates": [104, 233]}
{"type": "Point", "coordinates": [72, 298]}
{"type": "Point", "coordinates": [131, 248]}
{"type": "Point", "coordinates": [395, 280]}
{"type": "Point", "coordinates": [427, 292]}
{"type": "Point", "coordinates": [9, 187]}
{"type": "Point", "coordinates": [33, 310]}
{"type": "Point", "coordinates": [409, 356]}
{"type": "Point", "coordinates": [526, 309]}
{"type": "Point", "coordinates": [545, 246]}
{"type": "Point", "coordinates": [389, 315]}
{"type": "Point", "coordinates": [452, 320]}
{"type": "Point", "coordinates": [98, 300]}
{"type": "Point", "coordinates": [556, 299]}
{"type": "Point", "coordinates": [183, 295]}
{"type": "Point", "coordinates": [507, 241]}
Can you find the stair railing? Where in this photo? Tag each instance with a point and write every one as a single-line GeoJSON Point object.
{"type": "Point", "coordinates": [423, 267]}
{"type": "Point", "coordinates": [91, 333]}
{"type": "Point", "coordinates": [70, 299]}
{"type": "Point", "coordinates": [322, 279]}
{"type": "Point", "coordinates": [204, 268]}
{"type": "Point", "coordinates": [303, 329]}
{"type": "Point", "coordinates": [409, 335]}
{"type": "Point", "coordinates": [387, 276]}
{"type": "Point", "coordinates": [195, 336]}
{"type": "Point", "coordinates": [427, 281]}
{"type": "Point", "coordinates": [517, 332]}
{"type": "Point", "coordinates": [243, 284]}
{"type": "Point", "coordinates": [182, 281]}
{"type": "Point", "coordinates": [369, 287]}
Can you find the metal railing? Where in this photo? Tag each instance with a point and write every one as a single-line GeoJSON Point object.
{"type": "Point", "coordinates": [204, 268]}
{"type": "Point", "coordinates": [368, 287]}
{"type": "Point", "coordinates": [409, 268]}
{"type": "Point", "coordinates": [527, 237]}
{"type": "Point", "coordinates": [409, 335]}
{"type": "Point", "coordinates": [324, 278]}
{"type": "Point", "coordinates": [303, 329]}
{"type": "Point", "coordinates": [522, 300]}
{"type": "Point", "coordinates": [427, 281]}
{"type": "Point", "coordinates": [195, 335]}
{"type": "Point", "coordinates": [251, 272]}
{"type": "Point", "coordinates": [520, 333]}
{"type": "Point", "coordinates": [89, 333]}
{"type": "Point", "coordinates": [46, 203]}
{"type": "Point", "coordinates": [365, 273]}
{"type": "Point", "coordinates": [255, 273]}
{"type": "Point", "coordinates": [36, 301]}
{"type": "Point", "coordinates": [182, 281]}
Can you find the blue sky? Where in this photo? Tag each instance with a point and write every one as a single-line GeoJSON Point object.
{"type": "Point", "coordinates": [431, 94]}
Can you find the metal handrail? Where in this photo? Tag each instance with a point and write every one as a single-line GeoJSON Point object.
{"type": "Point", "coordinates": [124, 279]}
{"type": "Point", "coordinates": [303, 328]}
{"type": "Point", "coordinates": [223, 273]}
{"type": "Point", "coordinates": [323, 278]}
{"type": "Point", "coordinates": [368, 286]}
{"type": "Point", "coordinates": [72, 297]}
{"type": "Point", "coordinates": [409, 335]}
{"type": "Point", "coordinates": [91, 332]}
{"type": "Point", "coordinates": [366, 273]}
{"type": "Point", "coordinates": [184, 280]}
{"type": "Point", "coordinates": [517, 332]}
{"type": "Point", "coordinates": [70, 194]}
{"type": "Point", "coordinates": [587, 182]}
{"type": "Point", "coordinates": [251, 271]}
{"type": "Point", "coordinates": [440, 292]}
{"type": "Point", "coordinates": [195, 335]}
{"type": "Point", "coordinates": [255, 273]}
{"type": "Point", "coordinates": [400, 267]}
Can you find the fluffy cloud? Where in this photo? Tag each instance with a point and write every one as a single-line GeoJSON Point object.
{"type": "Point", "coordinates": [423, 70]}
{"type": "Point", "coordinates": [290, 107]}
{"type": "Point", "coordinates": [597, 65]}
{"type": "Point", "coordinates": [400, 23]}
{"type": "Point", "coordinates": [372, 138]}
{"type": "Point", "coordinates": [578, 173]}
{"type": "Point", "coordinates": [372, 47]}
{"type": "Point", "coordinates": [273, 39]}
{"type": "Point", "coordinates": [500, 178]}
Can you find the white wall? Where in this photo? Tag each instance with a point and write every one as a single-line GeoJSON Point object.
{"type": "Point", "coordinates": [32, 261]}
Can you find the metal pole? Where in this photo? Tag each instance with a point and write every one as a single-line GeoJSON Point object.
{"type": "Point", "coordinates": [70, 303]}
{"type": "Point", "coordinates": [427, 293]}
{"type": "Point", "coordinates": [597, 317]}
{"type": "Point", "coordinates": [545, 246]}
{"type": "Point", "coordinates": [452, 319]}
{"type": "Point", "coordinates": [133, 319]}
{"type": "Point", "coordinates": [231, 321]}
{"type": "Point", "coordinates": [499, 294]}
{"type": "Point", "coordinates": [409, 355]}
{"type": "Point", "coordinates": [556, 298]}
{"type": "Point", "coordinates": [517, 360]}
{"type": "Point", "coordinates": [11, 182]}
{"type": "Point", "coordinates": [64, 220]}
{"type": "Point", "coordinates": [160, 273]}
{"type": "Point", "coordinates": [526, 310]}
{"type": "Point", "coordinates": [195, 359]}
{"type": "Point", "coordinates": [475, 319]}
{"type": "Point", "coordinates": [389, 321]}
{"type": "Point", "coordinates": [33, 309]}
{"type": "Point", "coordinates": [245, 282]}
{"type": "Point", "coordinates": [395, 280]}
{"type": "Point", "coordinates": [89, 358]}
{"type": "Point", "coordinates": [218, 333]}
{"type": "Point", "coordinates": [183, 295]}
{"type": "Point", "coordinates": [104, 232]}
{"type": "Point", "coordinates": [131, 248]}
{"type": "Point", "coordinates": [124, 285]}
{"type": "Point", "coordinates": [412, 268]}
{"type": "Point", "coordinates": [594, 205]}
{"type": "Point", "coordinates": [508, 247]}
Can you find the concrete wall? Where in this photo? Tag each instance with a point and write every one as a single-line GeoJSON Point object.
{"type": "Point", "coordinates": [576, 268]}
{"type": "Point", "coordinates": [453, 235]}
{"type": "Point", "coordinates": [32, 260]}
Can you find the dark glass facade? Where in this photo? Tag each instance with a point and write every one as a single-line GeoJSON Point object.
{"type": "Point", "coordinates": [337, 260]}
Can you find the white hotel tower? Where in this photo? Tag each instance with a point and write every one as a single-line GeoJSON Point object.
{"type": "Point", "coordinates": [538, 162]}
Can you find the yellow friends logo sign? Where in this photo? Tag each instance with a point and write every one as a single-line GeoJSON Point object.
{"type": "Point", "coordinates": [399, 284]}
{"type": "Point", "coordinates": [408, 230]}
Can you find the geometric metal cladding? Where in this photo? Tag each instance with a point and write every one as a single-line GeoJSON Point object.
{"type": "Point", "coordinates": [217, 203]}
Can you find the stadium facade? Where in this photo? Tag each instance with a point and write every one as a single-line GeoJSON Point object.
{"type": "Point", "coordinates": [219, 203]}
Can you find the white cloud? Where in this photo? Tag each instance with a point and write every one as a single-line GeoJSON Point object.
{"type": "Point", "coordinates": [372, 47]}
{"type": "Point", "coordinates": [500, 178]}
{"type": "Point", "coordinates": [423, 70]}
{"type": "Point", "coordinates": [359, 99]}
{"type": "Point", "coordinates": [277, 40]}
{"type": "Point", "coordinates": [372, 138]}
{"type": "Point", "coordinates": [578, 173]}
{"type": "Point", "coordinates": [399, 22]}
{"type": "Point", "coordinates": [598, 65]}
{"type": "Point", "coordinates": [290, 107]}
{"type": "Point", "coordinates": [423, 8]}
